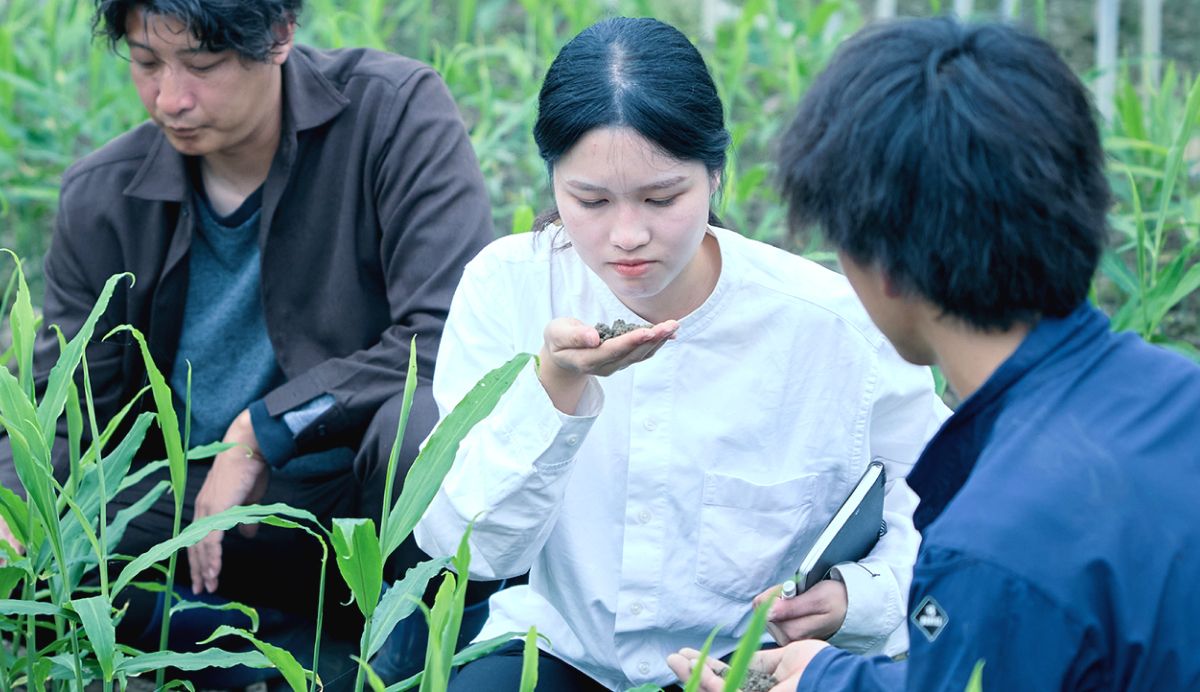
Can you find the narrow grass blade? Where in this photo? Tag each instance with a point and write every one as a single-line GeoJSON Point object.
{"type": "Point", "coordinates": [168, 421]}
{"type": "Point", "coordinates": [435, 459]}
{"type": "Point", "coordinates": [410, 390]}
{"type": "Point", "coordinates": [401, 600]}
{"type": "Point", "coordinates": [529, 661]}
{"type": "Point", "coordinates": [471, 653]}
{"type": "Point", "coordinates": [63, 373]}
{"type": "Point", "coordinates": [247, 514]}
{"type": "Point", "coordinates": [120, 522]}
{"type": "Point", "coordinates": [373, 679]}
{"type": "Point", "coordinates": [286, 663]}
{"type": "Point", "coordinates": [975, 684]}
{"type": "Point", "coordinates": [250, 613]}
{"type": "Point", "coordinates": [693, 683]}
{"type": "Point", "coordinates": [750, 642]}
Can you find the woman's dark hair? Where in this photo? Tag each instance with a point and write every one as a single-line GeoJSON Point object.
{"type": "Point", "coordinates": [250, 28]}
{"type": "Point", "coordinates": [964, 161]}
{"type": "Point", "coordinates": [636, 73]}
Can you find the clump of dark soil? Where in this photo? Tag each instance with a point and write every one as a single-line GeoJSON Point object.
{"type": "Point", "coordinates": [755, 680]}
{"type": "Point", "coordinates": [618, 328]}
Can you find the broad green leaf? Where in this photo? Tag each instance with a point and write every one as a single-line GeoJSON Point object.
{"type": "Point", "coordinates": [18, 607]}
{"type": "Point", "coordinates": [21, 323]}
{"type": "Point", "coordinates": [529, 661]}
{"type": "Point", "coordinates": [197, 660]}
{"type": "Point", "coordinates": [63, 373]}
{"type": "Point", "coordinates": [15, 513]}
{"type": "Point", "coordinates": [356, 548]}
{"type": "Point", "coordinates": [975, 684]}
{"type": "Point", "coordinates": [523, 218]}
{"type": "Point", "coordinates": [286, 663]}
{"type": "Point", "coordinates": [400, 601]}
{"type": "Point", "coordinates": [434, 461]}
{"type": "Point", "coordinates": [750, 643]}
{"type": "Point", "coordinates": [10, 576]}
{"type": "Point", "coordinates": [247, 514]}
{"type": "Point", "coordinates": [693, 683]}
{"type": "Point", "coordinates": [96, 615]}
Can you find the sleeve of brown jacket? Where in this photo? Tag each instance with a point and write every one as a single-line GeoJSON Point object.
{"type": "Point", "coordinates": [433, 208]}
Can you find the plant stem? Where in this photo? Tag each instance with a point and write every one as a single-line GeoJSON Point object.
{"type": "Point", "coordinates": [364, 645]}
{"type": "Point", "coordinates": [160, 675]}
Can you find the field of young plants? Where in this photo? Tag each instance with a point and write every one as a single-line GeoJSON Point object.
{"type": "Point", "coordinates": [63, 94]}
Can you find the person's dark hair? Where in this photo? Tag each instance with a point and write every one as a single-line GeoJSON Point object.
{"type": "Point", "coordinates": [636, 73]}
{"type": "Point", "coordinates": [250, 28]}
{"type": "Point", "coordinates": [963, 160]}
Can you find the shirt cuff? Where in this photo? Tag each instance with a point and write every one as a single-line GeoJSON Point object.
{"type": "Point", "coordinates": [870, 611]}
{"type": "Point", "coordinates": [275, 439]}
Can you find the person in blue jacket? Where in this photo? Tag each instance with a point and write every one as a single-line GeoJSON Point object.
{"type": "Point", "coordinates": [959, 174]}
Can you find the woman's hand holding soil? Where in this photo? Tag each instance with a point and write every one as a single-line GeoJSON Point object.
{"type": "Point", "coordinates": [573, 350]}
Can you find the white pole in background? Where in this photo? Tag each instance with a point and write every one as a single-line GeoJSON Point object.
{"type": "Point", "coordinates": [1107, 17]}
{"type": "Point", "coordinates": [1151, 44]}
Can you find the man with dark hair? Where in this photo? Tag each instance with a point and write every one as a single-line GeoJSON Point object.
{"type": "Point", "coordinates": [293, 218]}
{"type": "Point", "coordinates": [958, 172]}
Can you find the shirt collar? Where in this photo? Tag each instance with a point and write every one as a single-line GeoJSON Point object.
{"type": "Point", "coordinates": [310, 100]}
{"type": "Point", "coordinates": [950, 456]}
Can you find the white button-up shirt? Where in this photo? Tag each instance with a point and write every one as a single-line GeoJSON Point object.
{"type": "Point", "coordinates": [686, 484]}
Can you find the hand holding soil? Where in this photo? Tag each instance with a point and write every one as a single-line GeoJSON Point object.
{"type": "Point", "coordinates": [573, 350]}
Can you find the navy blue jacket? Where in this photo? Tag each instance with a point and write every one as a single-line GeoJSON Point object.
{"type": "Point", "coordinates": [1060, 521]}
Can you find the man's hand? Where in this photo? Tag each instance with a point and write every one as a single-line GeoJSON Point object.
{"type": "Point", "coordinates": [815, 614]}
{"type": "Point", "coordinates": [238, 477]}
{"type": "Point", "coordinates": [786, 665]}
{"type": "Point", "coordinates": [572, 351]}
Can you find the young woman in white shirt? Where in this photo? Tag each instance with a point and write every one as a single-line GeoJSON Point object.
{"type": "Point", "coordinates": [655, 483]}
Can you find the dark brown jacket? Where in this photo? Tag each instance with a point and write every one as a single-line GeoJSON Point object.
{"type": "Point", "coordinates": [372, 206]}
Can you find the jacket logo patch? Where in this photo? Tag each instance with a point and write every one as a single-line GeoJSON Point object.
{"type": "Point", "coordinates": [930, 618]}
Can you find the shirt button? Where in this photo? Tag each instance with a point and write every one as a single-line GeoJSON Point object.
{"type": "Point", "coordinates": [650, 423]}
{"type": "Point", "coordinates": [644, 667]}
{"type": "Point", "coordinates": [572, 440]}
{"type": "Point", "coordinates": [636, 608]}
{"type": "Point", "coordinates": [644, 516]}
